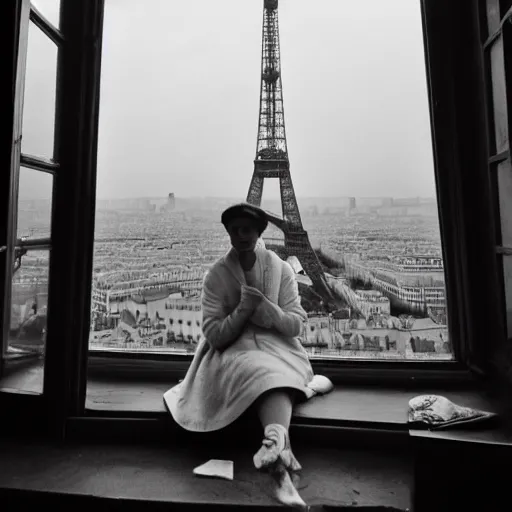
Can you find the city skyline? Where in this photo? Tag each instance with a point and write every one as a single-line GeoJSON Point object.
{"type": "Point", "coordinates": [272, 197]}
{"type": "Point", "coordinates": [43, 192]}
{"type": "Point", "coordinates": [357, 121]}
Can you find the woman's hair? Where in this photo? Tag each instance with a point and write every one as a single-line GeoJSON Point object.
{"type": "Point", "coordinates": [247, 211]}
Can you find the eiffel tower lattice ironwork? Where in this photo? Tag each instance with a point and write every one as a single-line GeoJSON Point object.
{"type": "Point", "coordinates": [272, 154]}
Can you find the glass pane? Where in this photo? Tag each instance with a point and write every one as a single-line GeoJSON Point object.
{"type": "Point", "coordinates": [50, 9]}
{"type": "Point", "coordinates": [499, 95]}
{"type": "Point", "coordinates": [507, 271]}
{"type": "Point", "coordinates": [373, 221]}
{"type": "Point", "coordinates": [27, 333]}
{"type": "Point", "coordinates": [39, 100]}
{"type": "Point", "coordinates": [34, 204]}
{"type": "Point", "coordinates": [493, 15]}
{"type": "Point", "coordinates": [504, 171]}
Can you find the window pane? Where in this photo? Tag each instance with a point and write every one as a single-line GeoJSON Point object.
{"type": "Point", "coordinates": [499, 95]}
{"type": "Point", "coordinates": [39, 99]}
{"type": "Point", "coordinates": [27, 333]}
{"type": "Point", "coordinates": [507, 271]}
{"type": "Point", "coordinates": [50, 9]}
{"type": "Point", "coordinates": [504, 171]}
{"type": "Point", "coordinates": [373, 220]}
{"type": "Point", "coordinates": [34, 204]}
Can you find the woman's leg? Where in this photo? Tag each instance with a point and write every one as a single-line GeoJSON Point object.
{"type": "Point", "coordinates": [275, 411]}
{"type": "Point", "coordinates": [275, 406]}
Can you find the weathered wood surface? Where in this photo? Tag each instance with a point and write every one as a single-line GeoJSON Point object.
{"type": "Point", "coordinates": [164, 474]}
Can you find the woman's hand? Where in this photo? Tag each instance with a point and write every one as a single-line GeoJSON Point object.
{"type": "Point", "coordinates": [251, 298]}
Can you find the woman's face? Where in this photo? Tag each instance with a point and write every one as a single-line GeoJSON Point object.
{"type": "Point", "coordinates": [243, 233]}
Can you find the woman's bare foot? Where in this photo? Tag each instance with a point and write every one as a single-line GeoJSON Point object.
{"type": "Point", "coordinates": [285, 489]}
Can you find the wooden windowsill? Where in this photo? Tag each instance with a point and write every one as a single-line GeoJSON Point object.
{"type": "Point", "coordinates": [350, 407]}
{"type": "Point", "coordinates": [383, 406]}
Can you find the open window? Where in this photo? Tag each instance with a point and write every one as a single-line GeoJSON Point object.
{"type": "Point", "coordinates": [496, 26]}
{"type": "Point", "coordinates": [156, 233]}
{"type": "Point", "coordinates": [14, 55]}
{"type": "Point", "coordinates": [80, 255]}
{"type": "Point", "coordinates": [497, 49]}
{"type": "Point", "coordinates": [28, 227]}
{"type": "Point", "coordinates": [52, 128]}
{"type": "Point", "coordinates": [151, 252]}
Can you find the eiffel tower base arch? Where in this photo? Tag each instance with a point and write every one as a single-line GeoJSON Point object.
{"type": "Point", "coordinates": [298, 244]}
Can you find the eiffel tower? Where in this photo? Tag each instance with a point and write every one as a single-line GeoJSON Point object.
{"type": "Point", "coordinates": [272, 154]}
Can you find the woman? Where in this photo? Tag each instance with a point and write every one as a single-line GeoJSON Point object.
{"type": "Point", "coordinates": [250, 354]}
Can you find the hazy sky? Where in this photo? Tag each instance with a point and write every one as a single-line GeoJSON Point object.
{"type": "Point", "coordinates": [180, 97]}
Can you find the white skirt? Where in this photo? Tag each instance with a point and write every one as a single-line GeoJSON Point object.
{"type": "Point", "coordinates": [220, 386]}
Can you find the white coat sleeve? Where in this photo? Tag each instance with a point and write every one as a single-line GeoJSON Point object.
{"type": "Point", "coordinates": [288, 317]}
{"type": "Point", "coordinates": [221, 329]}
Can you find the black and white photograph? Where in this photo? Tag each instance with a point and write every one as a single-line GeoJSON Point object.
{"type": "Point", "coordinates": [279, 229]}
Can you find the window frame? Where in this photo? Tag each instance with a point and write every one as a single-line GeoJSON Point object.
{"type": "Point", "coordinates": [76, 128]}
{"type": "Point", "coordinates": [14, 19]}
{"type": "Point", "coordinates": [470, 357]}
{"type": "Point", "coordinates": [494, 31]}
{"type": "Point", "coordinates": [17, 16]}
{"type": "Point", "coordinates": [468, 222]}
{"type": "Point", "coordinates": [39, 164]}
{"type": "Point", "coordinates": [489, 38]}
{"type": "Point", "coordinates": [22, 15]}
{"type": "Point", "coordinates": [75, 140]}
{"type": "Point", "coordinates": [460, 140]}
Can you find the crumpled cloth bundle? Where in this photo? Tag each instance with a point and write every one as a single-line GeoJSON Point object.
{"type": "Point", "coordinates": [437, 412]}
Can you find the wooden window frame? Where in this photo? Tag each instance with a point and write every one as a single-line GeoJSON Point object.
{"type": "Point", "coordinates": [73, 166]}
{"type": "Point", "coordinates": [497, 29]}
{"type": "Point", "coordinates": [21, 15]}
{"type": "Point", "coordinates": [456, 91]}
{"type": "Point", "coordinates": [489, 38]}
{"type": "Point", "coordinates": [16, 17]}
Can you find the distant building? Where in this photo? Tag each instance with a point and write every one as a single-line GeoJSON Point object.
{"type": "Point", "coordinates": [171, 202]}
{"type": "Point", "coordinates": [414, 282]}
{"type": "Point", "coordinates": [372, 302]}
{"type": "Point", "coordinates": [183, 319]}
{"type": "Point", "coordinates": [316, 332]}
{"type": "Point", "coordinates": [162, 309]}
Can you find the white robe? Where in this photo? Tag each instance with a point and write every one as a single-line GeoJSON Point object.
{"type": "Point", "coordinates": [267, 354]}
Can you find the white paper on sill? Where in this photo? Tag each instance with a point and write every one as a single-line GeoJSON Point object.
{"type": "Point", "coordinates": [216, 468]}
